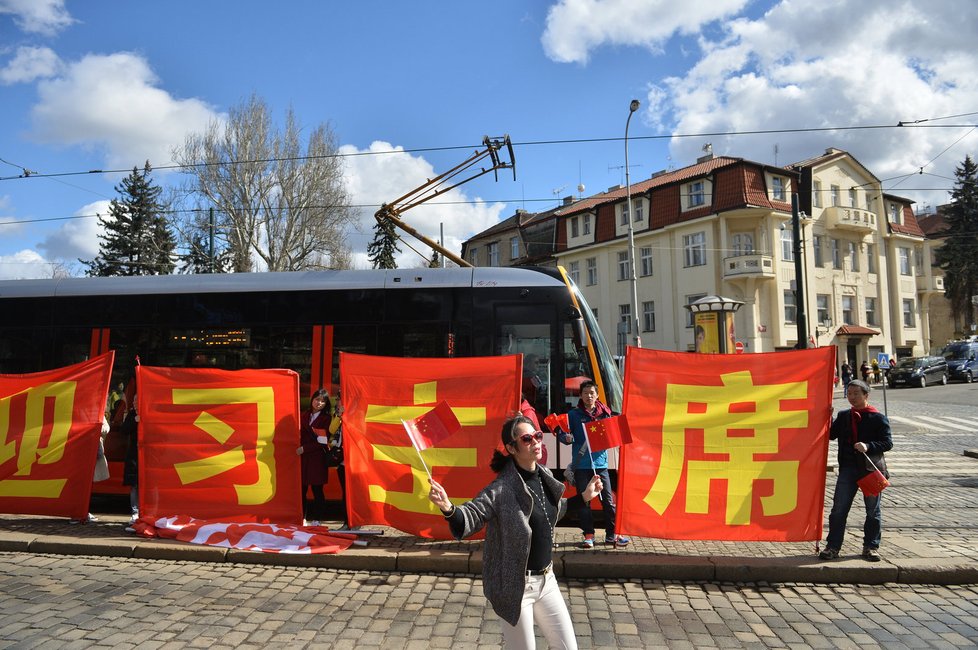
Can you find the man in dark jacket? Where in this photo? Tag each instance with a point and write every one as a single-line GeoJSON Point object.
{"type": "Point", "coordinates": [862, 432]}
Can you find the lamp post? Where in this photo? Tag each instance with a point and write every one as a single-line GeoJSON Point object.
{"type": "Point", "coordinates": [636, 321]}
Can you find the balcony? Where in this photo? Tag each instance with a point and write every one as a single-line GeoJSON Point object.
{"type": "Point", "coordinates": [930, 284]}
{"type": "Point", "coordinates": [854, 219]}
{"type": "Point", "coordinates": [748, 266]}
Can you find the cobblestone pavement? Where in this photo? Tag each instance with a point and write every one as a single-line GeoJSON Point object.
{"type": "Point", "coordinates": [82, 602]}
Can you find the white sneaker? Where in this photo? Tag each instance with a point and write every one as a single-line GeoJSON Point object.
{"type": "Point", "coordinates": [134, 518]}
{"type": "Point", "coordinates": [92, 517]}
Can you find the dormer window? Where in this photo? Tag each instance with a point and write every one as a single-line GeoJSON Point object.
{"type": "Point", "coordinates": [697, 194]}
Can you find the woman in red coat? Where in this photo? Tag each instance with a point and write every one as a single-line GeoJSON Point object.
{"type": "Point", "coordinates": [313, 436]}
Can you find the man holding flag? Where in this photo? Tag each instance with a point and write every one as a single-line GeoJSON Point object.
{"type": "Point", "coordinates": [594, 430]}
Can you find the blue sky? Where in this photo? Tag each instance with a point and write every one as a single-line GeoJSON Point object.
{"type": "Point", "coordinates": [109, 84]}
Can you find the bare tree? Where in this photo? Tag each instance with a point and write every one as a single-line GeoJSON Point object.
{"type": "Point", "coordinates": [272, 200]}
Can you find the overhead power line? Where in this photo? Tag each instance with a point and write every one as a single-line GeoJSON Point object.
{"type": "Point", "coordinates": [914, 124]}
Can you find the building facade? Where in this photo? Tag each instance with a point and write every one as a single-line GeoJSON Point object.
{"type": "Point", "coordinates": [723, 226]}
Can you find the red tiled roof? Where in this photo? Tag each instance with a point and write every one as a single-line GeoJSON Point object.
{"type": "Point", "coordinates": [909, 225]}
{"type": "Point", "coordinates": [855, 330]}
{"type": "Point", "coordinates": [932, 225]}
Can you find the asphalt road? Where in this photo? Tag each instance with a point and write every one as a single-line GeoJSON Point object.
{"type": "Point", "coordinates": [81, 602]}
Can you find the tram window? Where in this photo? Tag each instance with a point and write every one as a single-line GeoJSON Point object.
{"type": "Point", "coordinates": [577, 364]}
{"type": "Point", "coordinates": [23, 350]}
{"type": "Point", "coordinates": [534, 343]}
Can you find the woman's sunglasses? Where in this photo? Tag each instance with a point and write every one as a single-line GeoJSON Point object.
{"type": "Point", "coordinates": [529, 438]}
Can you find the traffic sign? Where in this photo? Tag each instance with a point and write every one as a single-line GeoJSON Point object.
{"type": "Point", "coordinates": [739, 347]}
{"type": "Point", "coordinates": [883, 358]}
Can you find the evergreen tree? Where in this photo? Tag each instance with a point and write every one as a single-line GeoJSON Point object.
{"type": "Point", "coordinates": [137, 239]}
{"type": "Point", "coordinates": [958, 255]}
{"type": "Point", "coordinates": [383, 248]}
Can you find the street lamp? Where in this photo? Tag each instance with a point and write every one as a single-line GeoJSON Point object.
{"type": "Point", "coordinates": [632, 107]}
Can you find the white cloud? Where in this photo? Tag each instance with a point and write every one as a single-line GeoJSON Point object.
{"type": "Point", "coordinates": [801, 66]}
{"type": "Point", "coordinates": [30, 63]}
{"type": "Point", "coordinates": [376, 179]}
{"type": "Point", "coordinates": [46, 17]}
{"type": "Point", "coordinates": [576, 27]}
{"type": "Point", "coordinates": [77, 238]}
{"type": "Point", "coordinates": [24, 265]}
{"type": "Point", "coordinates": [113, 103]}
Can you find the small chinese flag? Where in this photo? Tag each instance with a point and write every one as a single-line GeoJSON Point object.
{"type": "Point", "coordinates": [555, 422]}
{"type": "Point", "coordinates": [432, 427]}
{"type": "Point", "coordinates": [607, 433]}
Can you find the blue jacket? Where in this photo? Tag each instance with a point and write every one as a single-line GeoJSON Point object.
{"type": "Point", "coordinates": [577, 417]}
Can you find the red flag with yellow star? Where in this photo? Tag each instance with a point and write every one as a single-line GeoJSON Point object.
{"type": "Point", "coordinates": [432, 427]}
{"type": "Point", "coordinates": [219, 444]}
{"type": "Point", "coordinates": [726, 447]}
{"type": "Point", "coordinates": [50, 424]}
{"type": "Point", "coordinates": [607, 433]}
{"type": "Point", "coordinates": [386, 482]}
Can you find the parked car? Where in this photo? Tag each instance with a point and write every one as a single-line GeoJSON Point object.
{"type": "Point", "coordinates": [919, 371]}
{"type": "Point", "coordinates": [962, 360]}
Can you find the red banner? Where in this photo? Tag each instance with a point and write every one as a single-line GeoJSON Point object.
{"type": "Point", "coordinates": [386, 481]}
{"type": "Point", "coordinates": [219, 444]}
{"type": "Point", "coordinates": [268, 538]}
{"type": "Point", "coordinates": [50, 424]}
{"type": "Point", "coordinates": [726, 447]}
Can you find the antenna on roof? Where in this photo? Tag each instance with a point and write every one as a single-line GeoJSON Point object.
{"type": "Point", "coordinates": [556, 192]}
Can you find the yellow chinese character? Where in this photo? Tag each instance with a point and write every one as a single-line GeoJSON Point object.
{"type": "Point", "coordinates": [31, 451]}
{"type": "Point", "coordinates": [740, 421]}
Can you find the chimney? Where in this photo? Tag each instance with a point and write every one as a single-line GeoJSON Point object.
{"type": "Point", "coordinates": [568, 200]}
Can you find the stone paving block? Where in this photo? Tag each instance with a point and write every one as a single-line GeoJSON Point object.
{"type": "Point", "coordinates": [929, 571]}
{"type": "Point", "coordinates": [793, 569]}
{"type": "Point", "coordinates": [65, 545]}
{"type": "Point", "coordinates": [163, 549]}
{"type": "Point", "coordinates": [434, 561]}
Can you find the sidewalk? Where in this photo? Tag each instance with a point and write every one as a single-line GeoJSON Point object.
{"type": "Point", "coordinates": [928, 555]}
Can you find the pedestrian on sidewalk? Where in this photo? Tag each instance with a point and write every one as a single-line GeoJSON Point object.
{"type": "Point", "coordinates": [846, 372]}
{"type": "Point", "coordinates": [586, 465]}
{"type": "Point", "coordinates": [860, 431]}
{"type": "Point", "coordinates": [519, 511]}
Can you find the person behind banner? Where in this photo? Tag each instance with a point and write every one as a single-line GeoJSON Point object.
{"type": "Point", "coordinates": [586, 465]}
{"type": "Point", "coordinates": [334, 453]}
{"type": "Point", "coordinates": [519, 511]}
{"type": "Point", "coordinates": [130, 466]}
{"type": "Point", "coordinates": [314, 426]}
{"type": "Point", "coordinates": [861, 431]}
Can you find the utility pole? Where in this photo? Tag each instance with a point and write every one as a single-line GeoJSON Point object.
{"type": "Point", "coordinates": [801, 317]}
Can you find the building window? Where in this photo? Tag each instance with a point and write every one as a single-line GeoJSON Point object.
{"type": "Point", "coordinates": [852, 197]}
{"type": "Point", "coordinates": [587, 223]}
{"type": "Point", "coordinates": [694, 248]}
{"type": "Point", "coordinates": [817, 194]}
{"type": "Point", "coordinates": [592, 270]}
{"type": "Point", "coordinates": [870, 258]}
{"type": "Point", "coordinates": [790, 310]}
{"type": "Point", "coordinates": [623, 219]}
{"type": "Point", "coordinates": [689, 301]}
{"type": "Point", "coordinates": [847, 310]}
{"type": "Point", "coordinates": [639, 210]}
{"type": "Point", "coordinates": [908, 320]}
{"type": "Point", "coordinates": [624, 272]}
{"type": "Point", "coordinates": [575, 227]}
{"type": "Point", "coordinates": [787, 245]}
{"type": "Point", "coordinates": [575, 272]}
{"type": "Point", "coordinates": [743, 243]}
{"type": "Point", "coordinates": [697, 195]}
{"type": "Point", "coordinates": [625, 316]}
{"type": "Point", "coordinates": [493, 249]}
{"type": "Point", "coordinates": [474, 256]}
{"type": "Point", "coordinates": [853, 255]}
{"type": "Point", "coordinates": [834, 195]}
{"type": "Point", "coordinates": [904, 260]}
{"type": "Point", "coordinates": [514, 248]}
{"type": "Point", "coordinates": [645, 256]}
{"type": "Point", "coordinates": [817, 245]}
{"type": "Point", "coordinates": [894, 213]}
{"type": "Point", "coordinates": [822, 304]}
{"type": "Point", "coordinates": [871, 311]}
{"type": "Point", "coordinates": [836, 257]}
{"type": "Point", "coordinates": [777, 188]}
{"type": "Point", "coordinates": [918, 260]}
{"type": "Point", "coordinates": [648, 316]}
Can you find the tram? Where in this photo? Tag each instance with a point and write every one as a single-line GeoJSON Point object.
{"type": "Point", "coordinates": [303, 320]}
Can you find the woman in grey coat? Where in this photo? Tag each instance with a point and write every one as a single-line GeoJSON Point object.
{"type": "Point", "coordinates": [519, 511]}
